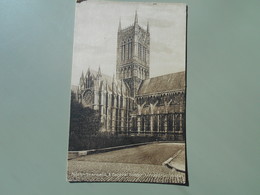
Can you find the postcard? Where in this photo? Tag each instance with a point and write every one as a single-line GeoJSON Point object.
{"type": "Point", "coordinates": [128, 93]}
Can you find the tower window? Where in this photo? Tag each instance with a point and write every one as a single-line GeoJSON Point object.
{"type": "Point", "coordinates": [129, 48]}
{"type": "Point", "coordinates": [144, 54]}
{"type": "Point", "coordinates": [144, 50]}
{"type": "Point", "coordinates": [123, 53]}
{"type": "Point", "coordinates": [139, 50]}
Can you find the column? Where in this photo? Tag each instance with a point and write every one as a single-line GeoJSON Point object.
{"type": "Point", "coordinates": [113, 119]}
{"type": "Point", "coordinates": [181, 118]}
{"type": "Point", "coordinates": [122, 121]}
{"type": "Point", "coordinates": [144, 122]}
{"type": "Point", "coordinates": [102, 107]}
{"type": "Point", "coordinates": [151, 124]}
{"type": "Point", "coordinates": [181, 123]}
{"type": "Point", "coordinates": [129, 123]}
{"type": "Point", "coordinates": [158, 123]}
{"type": "Point", "coordinates": [165, 124]}
{"type": "Point", "coordinates": [108, 119]}
{"type": "Point", "coordinates": [96, 103]}
{"type": "Point", "coordinates": [138, 124]}
{"type": "Point", "coordinates": [173, 123]}
{"type": "Point", "coordinates": [118, 118]}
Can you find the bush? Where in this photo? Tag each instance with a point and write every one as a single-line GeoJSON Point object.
{"type": "Point", "coordinates": [87, 142]}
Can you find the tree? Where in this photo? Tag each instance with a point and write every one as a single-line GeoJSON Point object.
{"type": "Point", "coordinates": [83, 121]}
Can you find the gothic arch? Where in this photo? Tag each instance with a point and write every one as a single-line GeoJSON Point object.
{"type": "Point", "coordinates": [128, 72]}
{"type": "Point", "coordinates": [129, 50]}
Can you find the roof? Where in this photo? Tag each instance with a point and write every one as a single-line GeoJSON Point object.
{"type": "Point", "coordinates": [120, 86]}
{"type": "Point", "coordinates": [169, 82]}
{"type": "Point", "coordinates": [103, 76]}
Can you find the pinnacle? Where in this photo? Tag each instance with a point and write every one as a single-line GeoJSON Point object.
{"type": "Point", "coordinates": [119, 26]}
{"type": "Point", "coordinates": [136, 17]}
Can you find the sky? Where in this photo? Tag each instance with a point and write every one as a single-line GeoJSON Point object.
{"type": "Point", "coordinates": [95, 35]}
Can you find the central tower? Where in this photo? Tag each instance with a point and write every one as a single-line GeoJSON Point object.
{"type": "Point", "coordinates": [133, 55]}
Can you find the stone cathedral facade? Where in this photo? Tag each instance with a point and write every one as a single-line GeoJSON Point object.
{"type": "Point", "coordinates": [132, 103]}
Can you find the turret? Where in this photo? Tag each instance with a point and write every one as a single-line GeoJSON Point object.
{"type": "Point", "coordinates": [99, 74]}
{"type": "Point", "coordinates": [119, 26]}
{"type": "Point", "coordinates": [82, 75]}
{"type": "Point", "coordinates": [81, 83]}
{"type": "Point", "coordinates": [133, 51]}
{"type": "Point", "coordinates": [113, 84]}
{"type": "Point", "coordinates": [88, 72]}
{"type": "Point", "coordinates": [82, 78]}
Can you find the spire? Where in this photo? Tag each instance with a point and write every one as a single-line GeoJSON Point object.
{"type": "Point", "coordinates": [81, 79]}
{"type": "Point", "coordinates": [99, 72]}
{"type": "Point", "coordinates": [113, 78]}
{"type": "Point", "coordinates": [147, 27]}
{"type": "Point", "coordinates": [88, 72]}
{"type": "Point", "coordinates": [113, 84]}
{"type": "Point", "coordinates": [119, 26]}
{"type": "Point", "coordinates": [136, 17]}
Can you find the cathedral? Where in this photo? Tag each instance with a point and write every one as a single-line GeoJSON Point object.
{"type": "Point", "coordinates": [131, 102]}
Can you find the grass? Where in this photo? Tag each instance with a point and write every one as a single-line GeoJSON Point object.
{"type": "Point", "coordinates": [154, 154]}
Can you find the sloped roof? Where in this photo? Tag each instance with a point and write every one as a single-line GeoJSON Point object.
{"type": "Point", "coordinates": [169, 82]}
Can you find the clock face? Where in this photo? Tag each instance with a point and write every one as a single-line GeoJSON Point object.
{"type": "Point", "coordinates": [88, 98]}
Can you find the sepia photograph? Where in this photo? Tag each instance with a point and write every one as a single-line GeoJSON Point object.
{"type": "Point", "coordinates": [111, 97]}
{"type": "Point", "coordinates": [128, 93]}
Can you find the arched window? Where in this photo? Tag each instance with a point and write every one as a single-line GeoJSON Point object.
{"type": "Point", "coordinates": [128, 73]}
{"type": "Point", "coordinates": [129, 49]}
{"type": "Point", "coordinates": [144, 56]}
{"type": "Point", "coordinates": [139, 50]}
{"type": "Point", "coordinates": [123, 73]}
{"type": "Point", "coordinates": [126, 50]}
{"type": "Point", "coordinates": [123, 51]}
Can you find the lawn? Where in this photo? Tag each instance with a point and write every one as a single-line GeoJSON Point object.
{"type": "Point", "coordinates": [153, 154]}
